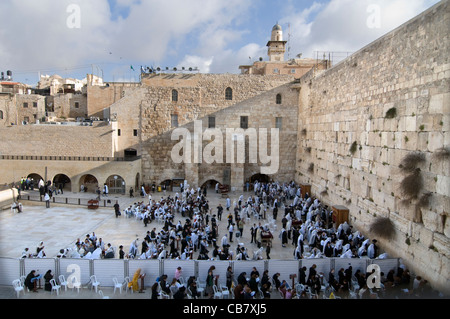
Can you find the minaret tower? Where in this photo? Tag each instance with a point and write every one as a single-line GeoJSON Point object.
{"type": "Point", "coordinates": [276, 45]}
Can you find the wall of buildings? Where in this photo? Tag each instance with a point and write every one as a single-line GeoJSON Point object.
{"type": "Point", "coordinates": [359, 121]}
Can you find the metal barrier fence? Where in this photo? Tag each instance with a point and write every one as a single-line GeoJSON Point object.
{"type": "Point", "coordinates": [59, 199]}
{"type": "Point", "coordinates": [107, 269]}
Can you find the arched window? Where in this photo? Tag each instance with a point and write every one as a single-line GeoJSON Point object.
{"type": "Point", "coordinates": [228, 94]}
{"type": "Point", "coordinates": [174, 96]}
{"type": "Point", "coordinates": [278, 99]}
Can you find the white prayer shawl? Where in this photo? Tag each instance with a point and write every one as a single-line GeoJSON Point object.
{"type": "Point", "coordinates": [347, 254]}
{"type": "Point", "coordinates": [361, 250]}
{"type": "Point", "coordinates": [371, 251]}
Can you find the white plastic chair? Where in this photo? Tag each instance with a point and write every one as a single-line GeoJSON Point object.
{"type": "Point", "coordinates": [127, 281]}
{"type": "Point", "coordinates": [18, 287]}
{"type": "Point", "coordinates": [217, 293]}
{"type": "Point", "coordinates": [22, 283]}
{"type": "Point", "coordinates": [100, 292]}
{"type": "Point", "coordinates": [55, 286]}
{"type": "Point", "coordinates": [94, 283]}
{"type": "Point", "coordinates": [200, 288]}
{"type": "Point", "coordinates": [118, 285]}
{"type": "Point", "coordinates": [75, 283]}
{"type": "Point", "coordinates": [63, 281]}
{"type": "Point", "coordinates": [225, 292]}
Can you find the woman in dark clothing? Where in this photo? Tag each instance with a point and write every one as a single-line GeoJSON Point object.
{"type": "Point", "coordinates": [48, 276]}
{"type": "Point", "coordinates": [31, 279]}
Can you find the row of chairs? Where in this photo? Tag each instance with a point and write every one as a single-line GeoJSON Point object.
{"type": "Point", "coordinates": [19, 284]}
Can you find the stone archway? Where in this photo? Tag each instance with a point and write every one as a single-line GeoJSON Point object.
{"type": "Point", "coordinates": [89, 182]}
{"type": "Point", "coordinates": [262, 178]}
{"type": "Point", "coordinates": [34, 180]}
{"type": "Point", "coordinates": [210, 184]}
{"type": "Point", "coordinates": [63, 180]}
{"type": "Point", "coordinates": [116, 184]}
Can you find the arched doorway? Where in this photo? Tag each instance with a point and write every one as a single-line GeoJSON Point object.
{"type": "Point", "coordinates": [210, 184]}
{"type": "Point", "coordinates": [168, 184]}
{"type": "Point", "coordinates": [136, 182]}
{"type": "Point", "coordinates": [34, 180]}
{"type": "Point", "coordinates": [89, 182]}
{"type": "Point", "coordinates": [116, 184]}
{"type": "Point", "coordinates": [261, 178]}
{"type": "Point", "coordinates": [61, 180]}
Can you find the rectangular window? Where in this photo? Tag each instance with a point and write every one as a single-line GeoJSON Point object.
{"type": "Point", "coordinates": [135, 132]}
{"type": "Point", "coordinates": [278, 122]}
{"type": "Point", "coordinates": [118, 132]}
{"type": "Point", "coordinates": [25, 104]}
{"type": "Point", "coordinates": [174, 120]}
{"type": "Point", "coordinates": [26, 119]}
{"type": "Point", "coordinates": [212, 122]}
{"type": "Point", "coordinates": [244, 122]}
{"type": "Point", "coordinates": [77, 105]}
{"type": "Point", "coordinates": [34, 104]}
{"type": "Point", "coordinates": [276, 71]}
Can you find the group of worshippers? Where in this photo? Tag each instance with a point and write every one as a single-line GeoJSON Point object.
{"type": "Point", "coordinates": [307, 223]}
{"type": "Point", "coordinates": [175, 240]}
{"type": "Point", "coordinates": [40, 253]}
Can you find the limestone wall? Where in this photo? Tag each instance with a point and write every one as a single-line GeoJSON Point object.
{"type": "Point", "coordinates": [262, 110]}
{"type": "Point", "coordinates": [57, 140]}
{"type": "Point", "coordinates": [359, 120]}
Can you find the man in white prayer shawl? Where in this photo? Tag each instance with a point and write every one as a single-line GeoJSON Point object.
{"type": "Point", "coordinates": [371, 251]}
{"type": "Point", "coordinates": [347, 254]}
{"type": "Point", "coordinates": [224, 241]}
{"type": "Point", "coordinates": [133, 248]}
{"type": "Point", "coordinates": [162, 255]}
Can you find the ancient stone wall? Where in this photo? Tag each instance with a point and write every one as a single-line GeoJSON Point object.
{"type": "Point", "coordinates": [262, 111]}
{"type": "Point", "coordinates": [361, 119]}
{"type": "Point", "coordinates": [57, 140]}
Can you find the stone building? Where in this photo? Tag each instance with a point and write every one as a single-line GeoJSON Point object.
{"type": "Point", "coordinates": [345, 130]}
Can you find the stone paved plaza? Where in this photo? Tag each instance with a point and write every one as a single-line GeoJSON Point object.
{"type": "Point", "coordinates": [60, 225]}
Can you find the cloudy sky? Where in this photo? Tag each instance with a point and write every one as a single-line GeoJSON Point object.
{"type": "Point", "coordinates": [75, 37]}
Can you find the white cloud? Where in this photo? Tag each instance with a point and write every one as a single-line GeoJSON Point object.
{"type": "Point", "coordinates": [342, 25]}
{"type": "Point", "coordinates": [209, 33]}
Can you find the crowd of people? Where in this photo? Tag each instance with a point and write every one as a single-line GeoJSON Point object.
{"type": "Point", "coordinates": [306, 225]}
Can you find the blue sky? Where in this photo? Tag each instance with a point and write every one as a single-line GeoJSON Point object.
{"type": "Point", "coordinates": [74, 37]}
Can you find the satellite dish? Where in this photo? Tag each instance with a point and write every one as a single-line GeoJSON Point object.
{"type": "Point", "coordinates": [158, 69]}
{"type": "Point", "coordinates": [174, 69]}
{"type": "Point", "coordinates": [182, 68]}
{"type": "Point", "coordinates": [190, 69]}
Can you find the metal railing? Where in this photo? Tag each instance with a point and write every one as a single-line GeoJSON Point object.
{"type": "Point", "coordinates": [68, 158]}
{"type": "Point", "coordinates": [107, 269]}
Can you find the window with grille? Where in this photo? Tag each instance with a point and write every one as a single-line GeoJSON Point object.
{"type": "Point", "coordinates": [244, 122]}
{"type": "Point", "coordinates": [228, 94]}
{"type": "Point", "coordinates": [278, 122]}
{"type": "Point", "coordinates": [174, 96]}
{"type": "Point", "coordinates": [211, 122]}
{"type": "Point", "coordinates": [278, 99]}
{"type": "Point", "coordinates": [174, 120]}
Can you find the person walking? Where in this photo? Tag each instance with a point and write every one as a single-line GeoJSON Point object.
{"type": "Point", "coordinates": [47, 200]}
